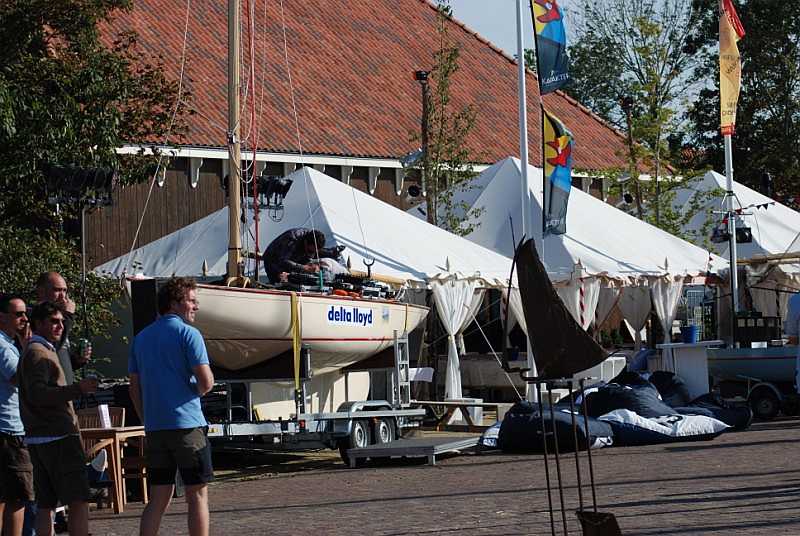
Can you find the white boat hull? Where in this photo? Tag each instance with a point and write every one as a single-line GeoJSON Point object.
{"type": "Point", "coordinates": [246, 327]}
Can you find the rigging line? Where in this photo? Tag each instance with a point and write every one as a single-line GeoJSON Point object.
{"type": "Point", "coordinates": [496, 358]}
{"type": "Point", "coordinates": [253, 124]}
{"type": "Point", "coordinates": [215, 124]}
{"type": "Point", "coordinates": [166, 135]}
{"type": "Point", "coordinates": [297, 123]}
{"type": "Point", "coordinates": [358, 218]}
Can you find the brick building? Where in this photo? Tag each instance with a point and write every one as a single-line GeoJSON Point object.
{"type": "Point", "coordinates": [358, 105]}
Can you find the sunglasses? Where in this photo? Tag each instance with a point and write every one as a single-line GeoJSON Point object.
{"type": "Point", "coordinates": [18, 314]}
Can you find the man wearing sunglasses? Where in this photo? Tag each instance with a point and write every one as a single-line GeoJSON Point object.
{"type": "Point", "coordinates": [51, 426]}
{"type": "Point", "coordinates": [16, 471]}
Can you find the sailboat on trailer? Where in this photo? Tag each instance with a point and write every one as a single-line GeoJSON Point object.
{"type": "Point", "coordinates": [245, 326]}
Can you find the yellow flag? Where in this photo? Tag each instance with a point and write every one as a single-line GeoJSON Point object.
{"type": "Point", "coordinates": [730, 64]}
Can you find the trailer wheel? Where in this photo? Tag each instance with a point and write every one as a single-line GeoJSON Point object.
{"type": "Point", "coordinates": [359, 437]}
{"type": "Point", "coordinates": [765, 404]}
{"type": "Point", "coordinates": [384, 431]}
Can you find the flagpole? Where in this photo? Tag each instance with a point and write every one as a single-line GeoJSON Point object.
{"type": "Point", "coordinates": [527, 224]}
{"type": "Point", "coordinates": [730, 197]}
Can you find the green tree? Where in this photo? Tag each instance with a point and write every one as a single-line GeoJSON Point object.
{"type": "Point", "coordinates": [768, 114]}
{"type": "Point", "coordinates": [447, 160]}
{"type": "Point", "coordinates": [632, 55]}
{"type": "Point", "coordinates": [69, 97]}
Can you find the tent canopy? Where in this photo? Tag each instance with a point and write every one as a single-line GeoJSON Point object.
{"type": "Point", "coordinates": [775, 227]}
{"type": "Point", "coordinates": [402, 246]}
{"type": "Point", "coordinates": [600, 239]}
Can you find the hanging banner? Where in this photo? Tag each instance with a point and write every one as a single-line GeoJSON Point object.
{"type": "Point", "coordinates": [557, 149]}
{"type": "Point", "coordinates": [730, 65]}
{"type": "Point", "coordinates": [551, 45]}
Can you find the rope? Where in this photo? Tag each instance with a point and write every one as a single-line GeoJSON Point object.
{"type": "Point", "coordinates": [496, 358]}
{"type": "Point", "coordinates": [253, 121]}
{"type": "Point", "coordinates": [166, 136]}
{"type": "Point", "coordinates": [297, 123]}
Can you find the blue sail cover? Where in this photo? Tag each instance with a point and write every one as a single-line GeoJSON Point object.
{"type": "Point", "coordinates": [551, 45]}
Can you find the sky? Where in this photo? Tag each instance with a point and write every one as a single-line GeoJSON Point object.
{"type": "Point", "coordinates": [496, 21]}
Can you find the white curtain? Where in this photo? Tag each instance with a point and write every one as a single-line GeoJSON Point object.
{"type": "Point", "coordinates": [453, 301]}
{"type": "Point", "coordinates": [477, 300]}
{"type": "Point", "coordinates": [635, 304]}
{"type": "Point", "coordinates": [517, 312]}
{"type": "Point", "coordinates": [666, 295]}
{"type": "Point", "coordinates": [767, 301]}
{"type": "Point", "coordinates": [606, 301]}
{"type": "Point", "coordinates": [582, 310]}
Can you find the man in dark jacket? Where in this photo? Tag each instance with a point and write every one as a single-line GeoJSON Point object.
{"type": "Point", "coordinates": [51, 426]}
{"type": "Point", "coordinates": [297, 250]}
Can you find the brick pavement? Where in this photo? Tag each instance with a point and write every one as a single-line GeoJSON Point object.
{"type": "Point", "coordinates": [740, 483]}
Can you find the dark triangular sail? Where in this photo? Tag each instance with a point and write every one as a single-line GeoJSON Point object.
{"type": "Point", "coordinates": [560, 346]}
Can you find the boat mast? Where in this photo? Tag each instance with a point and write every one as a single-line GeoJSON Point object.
{"type": "Point", "coordinates": [234, 148]}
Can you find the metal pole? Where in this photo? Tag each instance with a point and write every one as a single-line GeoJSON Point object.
{"type": "Point", "coordinates": [581, 382]}
{"type": "Point", "coordinates": [557, 456]}
{"type": "Point", "coordinates": [729, 196]}
{"type": "Point", "coordinates": [575, 439]}
{"type": "Point", "coordinates": [523, 127]}
{"type": "Point", "coordinates": [538, 392]}
{"type": "Point", "coordinates": [525, 200]}
{"type": "Point", "coordinates": [234, 148]}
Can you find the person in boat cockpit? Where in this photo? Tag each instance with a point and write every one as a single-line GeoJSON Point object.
{"type": "Point", "coordinates": [299, 250]}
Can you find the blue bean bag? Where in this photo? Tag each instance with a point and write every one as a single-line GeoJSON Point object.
{"type": "Point", "coordinates": [521, 430]}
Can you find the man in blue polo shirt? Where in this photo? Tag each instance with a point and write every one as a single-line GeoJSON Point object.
{"type": "Point", "coordinates": [169, 372]}
{"type": "Point", "coordinates": [16, 470]}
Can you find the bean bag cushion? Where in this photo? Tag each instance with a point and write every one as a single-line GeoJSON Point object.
{"type": "Point", "coordinates": [672, 388]}
{"type": "Point", "coordinates": [737, 417]}
{"type": "Point", "coordinates": [642, 399]}
{"type": "Point", "coordinates": [631, 429]}
{"type": "Point", "coordinates": [521, 430]}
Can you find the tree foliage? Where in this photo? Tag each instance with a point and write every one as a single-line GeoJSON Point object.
{"type": "Point", "coordinates": [44, 252]}
{"type": "Point", "coordinates": [447, 159]}
{"type": "Point", "coordinates": [768, 114]}
{"type": "Point", "coordinates": [69, 95]}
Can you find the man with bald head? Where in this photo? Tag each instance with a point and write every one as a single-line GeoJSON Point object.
{"type": "Point", "coordinates": [51, 287]}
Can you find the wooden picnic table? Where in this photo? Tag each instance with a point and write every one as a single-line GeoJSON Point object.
{"type": "Point", "coordinates": [119, 435]}
{"type": "Point", "coordinates": [443, 411]}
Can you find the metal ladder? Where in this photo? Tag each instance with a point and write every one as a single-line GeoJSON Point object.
{"type": "Point", "coordinates": [401, 381]}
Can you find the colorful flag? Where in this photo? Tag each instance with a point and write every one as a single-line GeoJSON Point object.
{"type": "Point", "coordinates": [730, 65]}
{"type": "Point", "coordinates": [551, 45]}
{"type": "Point", "coordinates": [557, 147]}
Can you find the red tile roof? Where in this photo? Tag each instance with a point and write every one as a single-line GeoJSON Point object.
{"type": "Point", "coordinates": [352, 64]}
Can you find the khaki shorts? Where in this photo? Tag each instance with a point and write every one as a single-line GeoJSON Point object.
{"type": "Point", "coordinates": [186, 450]}
{"type": "Point", "coordinates": [16, 470]}
{"type": "Point", "coordinates": [59, 472]}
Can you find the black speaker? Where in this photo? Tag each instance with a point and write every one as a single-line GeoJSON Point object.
{"type": "Point", "coordinates": [144, 303]}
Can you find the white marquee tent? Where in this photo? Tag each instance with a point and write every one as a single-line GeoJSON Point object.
{"type": "Point", "coordinates": [602, 250]}
{"type": "Point", "coordinates": [402, 246]}
{"type": "Point", "coordinates": [775, 229]}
